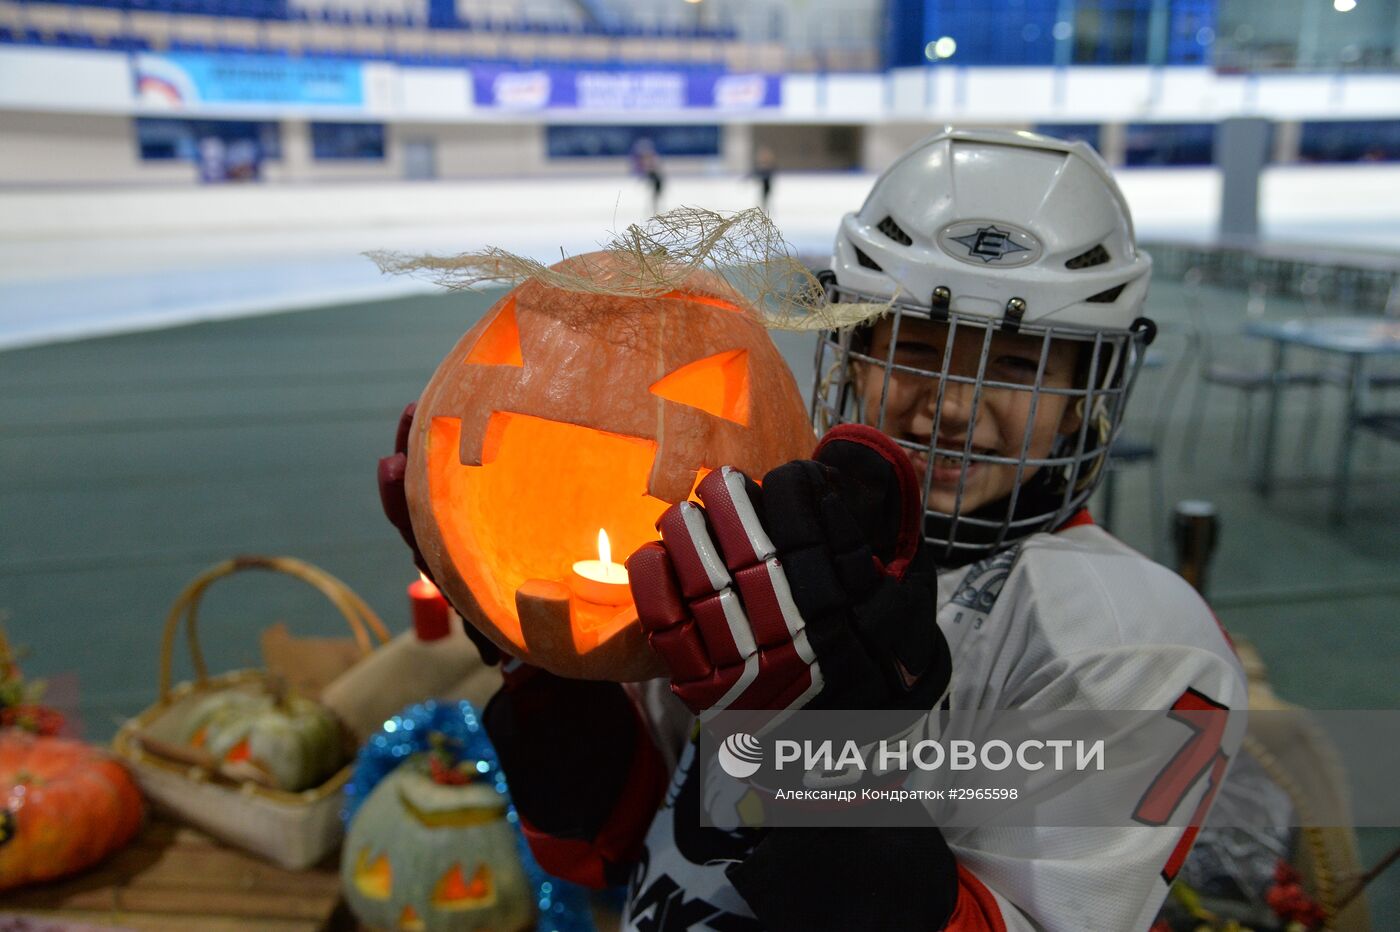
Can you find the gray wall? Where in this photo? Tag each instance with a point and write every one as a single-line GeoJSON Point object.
{"type": "Point", "coordinates": [57, 148]}
{"type": "Point", "coordinates": [812, 148]}
{"type": "Point", "coordinates": [63, 148]}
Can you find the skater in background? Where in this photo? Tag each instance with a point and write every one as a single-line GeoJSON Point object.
{"type": "Point", "coordinates": [646, 164]}
{"type": "Point", "coordinates": [212, 160]}
{"type": "Point", "coordinates": [765, 166]}
{"type": "Point", "coordinates": [244, 161]}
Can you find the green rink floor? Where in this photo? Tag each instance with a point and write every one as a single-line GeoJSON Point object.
{"type": "Point", "coordinates": [130, 463]}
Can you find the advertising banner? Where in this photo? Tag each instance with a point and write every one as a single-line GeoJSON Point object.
{"type": "Point", "coordinates": [621, 91]}
{"type": "Point", "coordinates": [189, 80]}
{"type": "Point", "coordinates": [180, 80]}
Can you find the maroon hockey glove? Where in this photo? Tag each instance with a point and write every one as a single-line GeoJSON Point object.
{"type": "Point", "coordinates": [805, 593]}
{"type": "Point", "coordinates": [395, 502]}
{"type": "Point", "coordinates": [392, 496]}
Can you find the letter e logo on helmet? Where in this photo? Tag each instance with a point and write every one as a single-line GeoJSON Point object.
{"type": "Point", "coordinates": [983, 243]}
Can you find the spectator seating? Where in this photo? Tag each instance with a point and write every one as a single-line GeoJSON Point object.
{"type": "Point", "coordinates": [388, 29]}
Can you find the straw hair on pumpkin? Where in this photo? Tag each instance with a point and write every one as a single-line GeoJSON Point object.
{"type": "Point", "coordinates": [689, 249]}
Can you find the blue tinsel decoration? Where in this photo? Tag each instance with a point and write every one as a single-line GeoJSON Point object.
{"type": "Point", "coordinates": [563, 906]}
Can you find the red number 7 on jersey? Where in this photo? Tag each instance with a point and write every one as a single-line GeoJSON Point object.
{"type": "Point", "coordinates": [1200, 755]}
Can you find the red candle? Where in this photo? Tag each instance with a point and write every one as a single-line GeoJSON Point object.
{"type": "Point", "coordinates": [430, 619]}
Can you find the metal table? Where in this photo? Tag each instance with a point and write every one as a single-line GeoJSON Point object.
{"type": "Point", "coordinates": [1359, 339]}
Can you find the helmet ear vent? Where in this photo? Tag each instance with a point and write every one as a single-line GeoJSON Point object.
{"type": "Point", "coordinates": [894, 232]}
{"type": "Point", "coordinates": [1107, 297]}
{"type": "Point", "coordinates": [1088, 259]}
{"type": "Point", "coordinates": [866, 261]}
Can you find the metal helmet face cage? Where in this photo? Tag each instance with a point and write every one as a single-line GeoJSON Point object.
{"type": "Point", "coordinates": [1109, 364]}
{"type": "Point", "coordinates": [986, 232]}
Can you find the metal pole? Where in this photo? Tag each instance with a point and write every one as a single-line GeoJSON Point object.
{"type": "Point", "coordinates": [1158, 25]}
{"type": "Point", "coordinates": [1064, 40]}
{"type": "Point", "coordinates": [1356, 389]}
{"type": "Point", "coordinates": [1264, 469]}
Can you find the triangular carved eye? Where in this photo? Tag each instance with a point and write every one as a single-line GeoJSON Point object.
{"type": "Point", "coordinates": [711, 300]}
{"type": "Point", "coordinates": [500, 344]}
{"type": "Point", "coordinates": [717, 384]}
{"type": "Point", "coordinates": [373, 876]}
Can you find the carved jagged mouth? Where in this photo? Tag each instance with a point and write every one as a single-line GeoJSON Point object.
{"type": "Point", "coordinates": [514, 526]}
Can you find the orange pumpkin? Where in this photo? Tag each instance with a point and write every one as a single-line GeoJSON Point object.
{"type": "Point", "coordinates": [64, 806]}
{"type": "Point", "coordinates": [563, 413]}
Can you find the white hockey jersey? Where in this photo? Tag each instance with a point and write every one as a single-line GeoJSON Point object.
{"type": "Point", "coordinates": [1072, 620]}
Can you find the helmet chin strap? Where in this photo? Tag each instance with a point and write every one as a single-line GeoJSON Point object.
{"type": "Point", "coordinates": [1041, 495]}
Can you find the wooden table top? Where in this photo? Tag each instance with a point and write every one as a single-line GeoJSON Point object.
{"type": "Point", "coordinates": [177, 878]}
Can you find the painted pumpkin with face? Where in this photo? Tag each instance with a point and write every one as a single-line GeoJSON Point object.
{"type": "Point", "coordinates": [428, 855]}
{"type": "Point", "coordinates": [562, 413]}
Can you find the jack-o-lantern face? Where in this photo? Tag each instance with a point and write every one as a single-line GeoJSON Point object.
{"type": "Point", "coordinates": [422, 856]}
{"type": "Point", "coordinates": [561, 414]}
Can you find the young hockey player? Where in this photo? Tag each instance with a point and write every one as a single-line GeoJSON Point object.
{"type": "Point", "coordinates": [935, 551]}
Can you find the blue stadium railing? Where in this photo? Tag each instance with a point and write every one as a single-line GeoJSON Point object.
{"type": "Point", "coordinates": [78, 40]}
{"type": "Point", "coordinates": [134, 37]}
{"type": "Point", "coordinates": [279, 10]}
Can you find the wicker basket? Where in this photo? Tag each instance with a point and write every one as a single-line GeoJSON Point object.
{"type": "Point", "coordinates": [295, 830]}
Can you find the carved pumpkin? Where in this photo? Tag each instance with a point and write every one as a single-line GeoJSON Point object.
{"type": "Point", "coordinates": [563, 413]}
{"type": "Point", "coordinates": [282, 741]}
{"type": "Point", "coordinates": [424, 854]}
{"type": "Point", "coordinates": [64, 806]}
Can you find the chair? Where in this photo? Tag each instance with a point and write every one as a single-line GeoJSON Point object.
{"type": "Point", "coordinates": [1388, 378]}
{"type": "Point", "coordinates": [1248, 379]}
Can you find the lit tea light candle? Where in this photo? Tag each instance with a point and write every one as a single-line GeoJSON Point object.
{"type": "Point", "coordinates": [430, 616]}
{"type": "Point", "coordinates": [601, 581]}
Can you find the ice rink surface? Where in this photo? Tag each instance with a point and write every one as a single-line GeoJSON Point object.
{"type": "Point", "coordinates": [83, 262]}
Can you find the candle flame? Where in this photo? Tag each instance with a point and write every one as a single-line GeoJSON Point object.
{"type": "Point", "coordinates": [424, 577]}
{"type": "Point", "coordinates": [604, 548]}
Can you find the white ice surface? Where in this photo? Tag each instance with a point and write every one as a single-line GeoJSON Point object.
{"type": "Point", "coordinates": [84, 262]}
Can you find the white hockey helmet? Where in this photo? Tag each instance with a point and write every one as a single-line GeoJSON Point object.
{"type": "Point", "coordinates": [995, 231]}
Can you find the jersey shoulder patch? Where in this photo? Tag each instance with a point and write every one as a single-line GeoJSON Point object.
{"type": "Point", "coordinates": [984, 580]}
